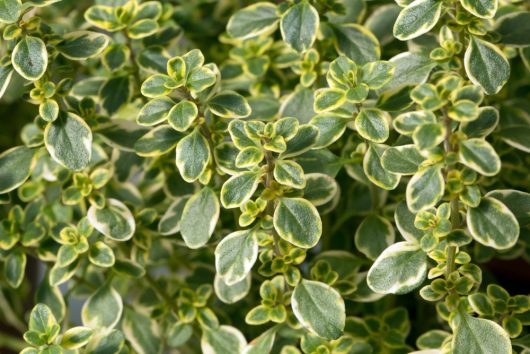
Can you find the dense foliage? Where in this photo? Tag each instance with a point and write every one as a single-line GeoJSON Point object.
{"type": "Point", "coordinates": [225, 177]}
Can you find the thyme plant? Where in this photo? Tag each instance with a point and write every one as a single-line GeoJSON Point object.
{"type": "Point", "coordinates": [231, 177]}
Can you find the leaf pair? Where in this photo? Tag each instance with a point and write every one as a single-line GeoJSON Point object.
{"type": "Point", "coordinates": [298, 24]}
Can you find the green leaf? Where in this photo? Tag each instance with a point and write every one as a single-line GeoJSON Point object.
{"type": "Point", "coordinates": [299, 26]}
{"type": "Point", "coordinates": [176, 68]}
{"type": "Point", "coordinates": [103, 17]}
{"type": "Point", "coordinates": [235, 255]}
{"type": "Point", "coordinates": [224, 339]}
{"type": "Point", "coordinates": [425, 188]}
{"type": "Point", "coordinates": [486, 65]}
{"type": "Point", "coordinates": [257, 19]}
{"type": "Point", "coordinates": [230, 294]}
{"type": "Point", "coordinates": [10, 10]}
{"type": "Point", "coordinates": [481, 8]}
{"type": "Point", "coordinates": [178, 334]}
{"type": "Point", "coordinates": [128, 268]}
{"type": "Point", "coordinates": [406, 123]}
{"type": "Point", "coordinates": [226, 156]}
{"type": "Point", "coordinates": [148, 9]}
{"type": "Point", "coordinates": [373, 236]}
{"type": "Point", "coordinates": [374, 169]}
{"type": "Point", "coordinates": [114, 220]}
{"type": "Point", "coordinates": [297, 221]}
{"type": "Point", "coordinates": [199, 218]}
{"type": "Point", "coordinates": [518, 202]}
{"type": "Point", "coordinates": [404, 219]}
{"type": "Point", "coordinates": [15, 268]}
{"type": "Point", "coordinates": [144, 331]}
{"type": "Point", "coordinates": [492, 224]}
{"type": "Point", "coordinates": [404, 159]}
{"type": "Point", "coordinates": [319, 308]}
{"type": "Point", "coordinates": [142, 28]}
{"type": "Point", "coordinates": [411, 69]}
{"type": "Point", "coordinates": [463, 110]}
{"type": "Point", "coordinates": [481, 304]}
{"type": "Point", "coordinates": [81, 45]}
{"type": "Point", "coordinates": [30, 58]}
{"type": "Point", "coordinates": [262, 344]}
{"type": "Point", "coordinates": [101, 255]}
{"type": "Point", "coordinates": [239, 188]}
{"type": "Point", "coordinates": [102, 309]}
{"type": "Point", "coordinates": [115, 93]}
{"type": "Point", "coordinates": [193, 155]}
{"type": "Point", "coordinates": [305, 139]}
{"type": "Point", "coordinates": [76, 337]}
{"type": "Point", "coordinates": [429, 135]}
{"type": "Point", "coordinates": [182, 115]}
{"type": "Point", "coordinates": [170, 222]}
{"type": "Point", "coordinates": [483, 125]}
{"type": "Point", "coordinates": [6, 73]}
{"type": "Point", "coordinates": [328, 99]}
{"type": "Point", "coordinates": [417, 18]}
{"type": "Point", "coordinates": [513, 28]}
{"type": "Point", "coordinates": [331, 127]}
{"type": "Point", "coordinates": [299, 104]}
{"type": "Point", "coordinates": [155, 111]}
{"type": "Point", "coordinates": [200, 79]}
{"type": "Point", "coordinates": [516, 136]}
{"type": "Point", "coordinates": [59, 275]}
{"type": "Point", "coordinates": [249, 157]}
{"type": "Point", "coordinates": [41, 319]}
{"type": "Point", "coordinates": [16, 165]}
{"type": "Point", "coordinates": [69, 141]}
{"type": "Point", "coordinates": [156, 85]}
{"type": "Point", "coordinates": [286, 127]}
{"type": "Point", "coordinates": [478, 336]}
{"type": "Point", "coordinates": [239, 136]}
{"type": "Point", "coordinates": [432, 339]}
{"type": "Point", "coordinates": [229, 104]}
{"type": "Point", "coordinates": [480, 156]}
{"type": "Point", "coordinates": [52, 297]}
{"type": "Point", "coordinates": [372, 124]}
{"type": "Point", "coordinates": [320, 188]}
{"type": "Point", "coordinates": [289, 173]}
{"type": "Point", "coordinates": [49, 110]}
{"type": "Point", "coordinates": [106, 343]}
{"type": "Point", "coordinates": [356, 42]}
{"type": "Point", "coordinates": [193, 59]}
{"type": "Point", "coordinates": [377, 74]}
{"type": "Point", "coordinates": [66, 255]}
{"type": "Point", "coordinates": [400, 269]}
{"type": "Point", "coordinates": [116, 56]}
{"type": "Point", "coordinates": [158, 141]}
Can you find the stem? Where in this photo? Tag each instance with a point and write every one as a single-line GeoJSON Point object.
{"type": "Point", "coordinates": [11, 342]}
{"type": "Point", "coordinates": [136, 68]}
{"type": "Point", "coordinates": [163, 293]}
{"type": "Point", "coordinates": [269, 210]}
{"type": "Point", "coordinates": [455, 222]}
{"type": "Point", "coordinates": [10, 315]}
{"type": "Point", "coordinates": [455, 216]}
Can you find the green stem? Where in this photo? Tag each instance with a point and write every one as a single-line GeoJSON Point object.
{"type": "Point", "coordinates": [135, 67]}
{"type": "Point", "coordinates": [10, 315]}
{"type": "Point", "coordinates": [10, 342]}
{"type": "Point", "coordinates": [269, 210]}
{"type": "Point", "coordinates": [163, 293]}
{"type": "Point", "coordinates": [455, 216]}
{"type": "Point", "coordinates": [451, 251]}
